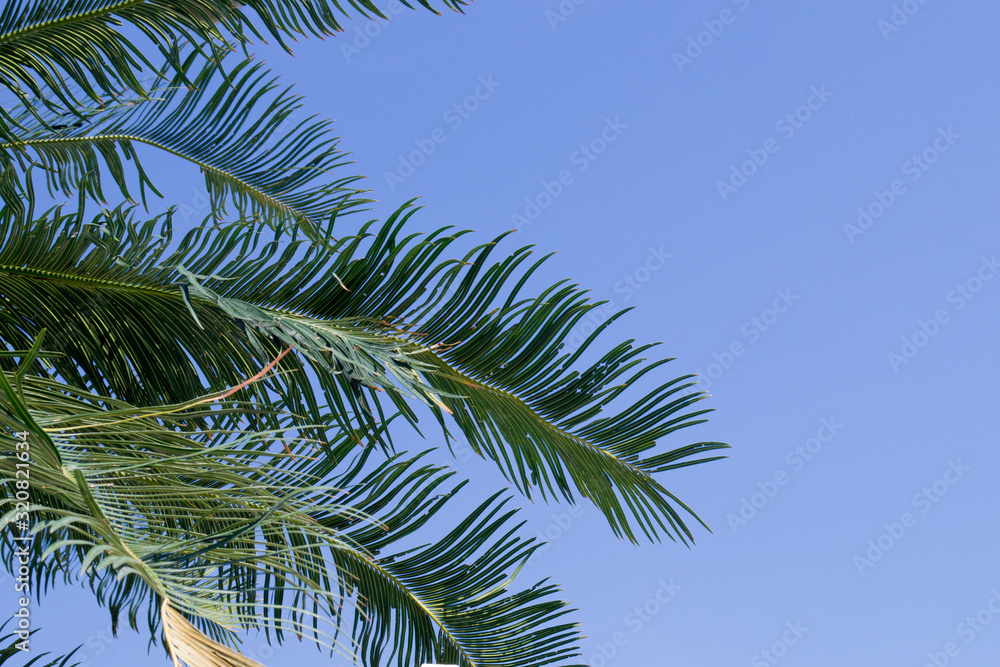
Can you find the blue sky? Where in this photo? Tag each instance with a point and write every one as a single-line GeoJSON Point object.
{"type": "Point", "coordinates": [800, 201]}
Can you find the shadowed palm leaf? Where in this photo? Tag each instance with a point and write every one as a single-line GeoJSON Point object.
{"type": "Point", "coordinates": [237, 533]}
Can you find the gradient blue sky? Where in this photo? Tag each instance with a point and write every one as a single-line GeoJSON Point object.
{"type": "Point", "coordinates": [835, 112]}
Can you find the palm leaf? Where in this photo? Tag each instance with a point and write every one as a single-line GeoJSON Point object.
{"type": "Point", "coordinates": [495, 362]}
{"type": "Point", "coordinates": [231, 125]}
{"type": "Point", "coordinates": [122, 329]}
{"type": "Point", "coordinates": [47, 44]}
{"type": "Point", "coordinates": [233, 536]}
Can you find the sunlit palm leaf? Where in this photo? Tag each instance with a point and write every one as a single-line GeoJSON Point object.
{"type": "Point", "coordinates": [189, 646]}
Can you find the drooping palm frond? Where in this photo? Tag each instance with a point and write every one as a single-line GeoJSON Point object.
{"type": "Point", "coordinates": [460, 580]}
{"type": "Point", "coordinates": [238, 127]}
{"type": "Point", "coordinates": [240, 534]}
{"type": "Point", "coordinates": [47, 44]}
{"type": "Point", "coordinates": [497, 363]}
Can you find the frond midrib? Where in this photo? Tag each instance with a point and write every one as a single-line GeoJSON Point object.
{"type": "Point", "coordinates": [79, 281]}
{"type": "Point", "coordinates": [545, 424]}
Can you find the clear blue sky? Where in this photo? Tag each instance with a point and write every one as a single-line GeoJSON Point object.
{"type": "Point", "coordinates": [804, 195]}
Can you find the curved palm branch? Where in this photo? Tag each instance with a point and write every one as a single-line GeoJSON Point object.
{"type": "Point", "coordinates": [232, 125]}
{"type": "Point", "coordinates": [121, 322]}
{"type": "Point", "coordinates": [239, 534]}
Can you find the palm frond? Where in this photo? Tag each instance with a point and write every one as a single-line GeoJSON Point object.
{"type": "Point", "coordinates": [122, 327]}
{"type": "Point", "coordinates": [497, 363]}
{"type": "Point", "coordinates": [238, 127]}
{"type": "Point", "coordinates": [240, 534]}
{"type": "Point", "coordinates": [46, 45]}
